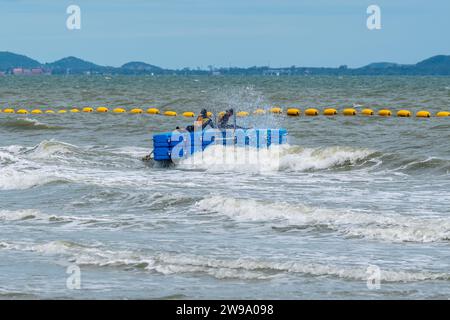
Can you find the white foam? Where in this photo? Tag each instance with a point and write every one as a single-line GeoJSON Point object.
{"type": "Point", "coordinates": [48, 148]}
{"type": "Point", "coordinates": [386, 227]}
{"type": "Point", "coordinates": [135, 152]}
{"type": "Point", "coordinates": [321, 158]}
{"type": "Point", "coordinates": [275, 158]}
{"type": "Point", "coordinates": [240, 268]}
{"type": "Point", "coordinates": [16, 179]}
{"type": "Point", "coordinates": [10, 215]}
{"type": "Point", "coordinates": [7, 157]}
{"type": "Point", "coordinates": [33, 121]}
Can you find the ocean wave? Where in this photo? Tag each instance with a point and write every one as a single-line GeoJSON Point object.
{"type": "Point", "coordinates": [27, 214]}
{"type": "Point", "coordinates": [18, 179]}
{"type": "Point", "coordinates": [48, 148]}
{"type": "Point", "coordinates": [386, 227]}
{"type": "Point", "coordinates": [33, 215]}
{"type": "Point", "coordinates": [275, 158]}
{"type": "Point", "coordinates": [28, 124]}
{"type": "Point", "coordinates": [425, 165]}
{"type": "Point", "coordinates": [304, 159]}
{"type": "Point", "coordinates": [292, 158]}
{"type": "Point", "coordinates": [220, 268]}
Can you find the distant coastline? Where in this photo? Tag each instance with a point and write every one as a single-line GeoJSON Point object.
{"type": "Point", "coordinates": [16, 64]}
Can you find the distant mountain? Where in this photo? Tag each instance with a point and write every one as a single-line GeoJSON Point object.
{"type": "Point", "coordinates": [381, 65]}
{"type": "Point", "coordinates": [441, 61]}
{"type": "Point", "coordinates": [74, 65]}
{"type": "Point", "coordinates": [437, 65]}
{"type": "Point", "coordinates": [140, 66]}
{"type": "Point", "coordinates": [9, 60]}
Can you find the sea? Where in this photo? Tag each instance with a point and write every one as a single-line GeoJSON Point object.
{"type": "Point", "coordinates": [353, 207]}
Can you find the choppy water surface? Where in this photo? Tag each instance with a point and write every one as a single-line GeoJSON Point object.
{"type": "Point", "coordinates": [349, 192]}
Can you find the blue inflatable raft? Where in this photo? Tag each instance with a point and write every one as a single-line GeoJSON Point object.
{"type": "Point", "coordinates": [169, 146]}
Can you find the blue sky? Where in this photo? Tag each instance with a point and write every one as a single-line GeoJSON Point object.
{"type": "Point", "coordinates": [179, 33]}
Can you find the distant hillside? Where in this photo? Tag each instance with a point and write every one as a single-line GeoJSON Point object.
{"type": "Point", "coordinates": [381, 65]}
{"type": "Point", "coordinates": [9, 60]}
{"type": "Point", "coordinates": [74, 65]}
{"type": "Point", "coordinates": [437, 65]}
{"type": "Point", "coordinates": [140, 66]}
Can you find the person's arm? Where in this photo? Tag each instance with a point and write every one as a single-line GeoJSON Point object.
{"type": "Point", "coordinates": [210, 123]}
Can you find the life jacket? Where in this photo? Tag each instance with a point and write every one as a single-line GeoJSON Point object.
{"type": "Point", "coordinates": [201, 121]}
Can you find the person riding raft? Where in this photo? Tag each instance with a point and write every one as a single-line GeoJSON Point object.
{"type": "Point", "coordinates": [203, 120]}
{"type": "Point", "coordinates": [224, 118]}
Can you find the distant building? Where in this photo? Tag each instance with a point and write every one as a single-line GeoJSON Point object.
{"type": "Point", "coordinates": [276, 72]}
{"type": "Point", "coordinates": [37, 71]}
{"type": "Point", "coordinates": [27, 72]}
{"type": "Point", "coordinates": [17, 71]}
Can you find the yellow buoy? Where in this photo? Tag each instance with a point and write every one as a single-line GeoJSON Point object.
{"type": "Point", "coordinates": [443, 114]}
{"type": "Point", "coordinates": [102, 109]}
{"type": "Point", "coordinates": [423, 114]}
{"type": "Point", "coordinates": [242, 114]}
{"type": "Point", "coordinates": [276, 110]}
{"type": "Point", "coordinates": [293, 112]}
{"type": "Point", "coordinates": [74, 110]}
{"type": "Point", "coordinates": [330, 112]}
{"type": "Point", "coordinates": [367, 112]}
{"type": "Point", "coordinates": [259, 111]}
{"type": "Point", "coordinates": [62, 111]}
{"type": "Point", "coordinates": [88, 109]}
{"type": "Point", "coordinates": [385, 113]}
{"type": "Point", "coordinates": [136, 111]}
{"type": "Point", "coordinates": [49, 111]}
{"type": "Point", "coordinates": [119, 110]}
{"type": "Point", "coordinates": [311, 112]}
{"type": "Point", "coordinates": [170, 113]}
{"type": "Point", "coordinates": [22, 111]}
{"type": "Point", "coordinates": [9, 110]}
{"type": "Point", "coordinates": [404, 113]}
{"type": "Point", "coordinates": [36, 111]}
{"type": "Point", "coordinates": [188, 114]}
{"type": "Point", "coordinates": [153, 111]}
{"type": "Point", "coordinates": [349, 112]}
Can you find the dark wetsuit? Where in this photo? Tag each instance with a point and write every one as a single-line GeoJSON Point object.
{"type": "Point", "coordinates": [223, 121]}
{"type": "Point", "coordinates": [203, 121]}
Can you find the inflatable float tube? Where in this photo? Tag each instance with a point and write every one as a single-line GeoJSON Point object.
{"type": "Point", "coordinates": [169, 146]}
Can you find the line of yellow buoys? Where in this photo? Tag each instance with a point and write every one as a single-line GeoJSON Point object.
{"type": "Point", "coordinates": [293, 112]}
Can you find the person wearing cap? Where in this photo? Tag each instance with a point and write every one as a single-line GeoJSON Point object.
{"type": "Point", "coordinates": [224, 118]}
{"type": "Point", "coordinates": [203, 120]}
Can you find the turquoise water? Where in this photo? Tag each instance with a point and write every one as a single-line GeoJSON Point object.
{"type": "Point", "coordinates": [305, 222]}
